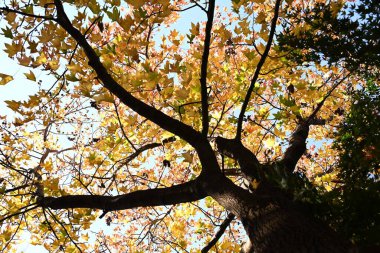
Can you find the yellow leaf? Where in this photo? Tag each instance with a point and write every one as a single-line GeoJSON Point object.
{"type": "Point", "coordinates": [12, 49]}
{"type": "Point", "coordinates": [263, 111]}
{"type": "Point", "coordinates": [54, 65]}
{"type": "Point", "coordinates": [4, 78]}
{"type": "Point", "coordinates": [7, 234]}
{"type": "Point", "coordinates": [52, 184]}
{"type": "Point", "coordinates": [10, 16]}
{"type": "Point", "coordinates": [295, 109]}
{"type": "Point", "coordinates": [104, 97]}
{"type": "Point", "coordinates": [85, 237]}
{"type": "Point", "coordinates": [194, 29]}
{"type": "Point", "coordinates": [41, 59]}
{"type": "Point", "coordinates": [166, 135]}
{"type": "Point", "coordinates": [48, 166]}
{"type": "Point", "coordinates": [136, 3]}
{"type": "Point", "coordinates": [278, 132]}
{"type": "Point", "coordinates": [261, 17]}
{"type": "Point", "coordinates": [173, 33]}
{"type": "Point", "coordinates": [30, 76]}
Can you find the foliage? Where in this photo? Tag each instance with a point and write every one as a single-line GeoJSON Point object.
{"type": "Point", "coordinates": [355, 205]}
{"type": "Point", "coordinates": [142, 134]}
{"type": "Point", "coordinates": [337, 33]}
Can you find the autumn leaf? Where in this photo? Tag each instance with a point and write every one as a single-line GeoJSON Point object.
{"type": "Point", "coordinates": [279, 133]}
{"type": "Point", "coordinates": [41, 59]}
{"type": "Point", "coordinates": [4, 79]}
{"type": "Point", "coordinates": [13, 105]}
{"type": "Point", "coordinates": [104, 97]}
{"type": "Point", "coordinates": [188, 157]}
{"type": "Point", "coordinates": [30, 76]}
{"type": "Point", "coordinates": [7, 32]}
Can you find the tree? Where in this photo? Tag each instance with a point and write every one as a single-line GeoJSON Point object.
{"type": "Point", "coordinates": [166, 133]}
{"type": "Point", "coordinates": [357, 202]}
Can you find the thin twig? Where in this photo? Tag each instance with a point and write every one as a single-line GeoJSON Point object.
{"type": "Point", "coordinates": [257, 71]}
{"type": "Point", "coordinates": [6, 9]}
{"type": "Point", "coordinates": [219, 234]}
{"type": "Point", "coordinates": [122, 128]}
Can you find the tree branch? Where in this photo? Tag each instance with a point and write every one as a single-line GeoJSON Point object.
{"type": "Point", "coordinates": [320, 104]}
{"type": "Point", "coordinates": [122, 127]}
{"type": "Point", "coordinates": [203, 79]}
{"type": "Point", "coordinates": [219, 234]}
{"type": "Point", "coordinates": [147, 147]}
{"type": "Point", "coordinates": [16, 188]}
{"type": "Point", "coordinates": [297, 146]}
{"type": "Point", "coordinates": [234, 149]}
{"type": "Point", "coordinates": [257, 71]}
{"type": "Point", "coordinates": [297, 143]}
{"type": "Point", "coordinates": [21, 211]}
{"type": "Point", "coordinates": [172, 125]}
{"type": "Point", "coordinates": [182, 193]}
{"type": "Point", "coordinates": [7, 9]}
{"type": "Point", "coordinates": [198, 5]}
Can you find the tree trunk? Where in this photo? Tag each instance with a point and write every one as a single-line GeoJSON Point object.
{"type": "Point", "coordinates": [273, 221]}
{"type": "Point", "coordinates": [276, 224]}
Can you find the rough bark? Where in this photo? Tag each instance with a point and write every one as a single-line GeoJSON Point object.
{"type": "Point", "coordinates": [276, 224]}
{"type": "Point", "coordinates": [272, 220]}
{"type": "Point", "coordinates": [297, 147]}
{"type": "Point", "coordinates": [249, 165]}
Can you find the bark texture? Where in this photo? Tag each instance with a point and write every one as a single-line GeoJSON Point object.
{"type": "Point", "coordinates": [276, 224]}
{"type": "Point", "coordinates": [272, 219]}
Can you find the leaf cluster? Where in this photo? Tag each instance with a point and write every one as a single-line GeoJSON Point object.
{"type": "Point", "coordinates": [335, 33]}
{"type": "Point", "coordinates": [354, 207]}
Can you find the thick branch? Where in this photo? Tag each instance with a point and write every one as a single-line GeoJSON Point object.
{"type": "Point", "coordinates": [203, 79]}
{"type": "Point", "coordinates": [16, 188]}
{"type": "Point", "coordinates": [297, 147]}
{"type": "Point", "coordinates": [182, 193]}
{"type": "Point", "coordinates": [219, 234]}
{"type": "Point", "coordinates": [234, 149]}
{"type": "Point", "coordinates": [172, 125]}
{"type": "Point", "coordinates": [257, 71]}
{"type": "Point", "coordinates": [297, 143]}
{"type": "Point", "coordinates": [198, 5]}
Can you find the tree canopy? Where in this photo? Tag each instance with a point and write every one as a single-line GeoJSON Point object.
{"type": "Point", "coordinates": [253, 126]}
{"type": "Point", "coordinates": [357, 201]}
